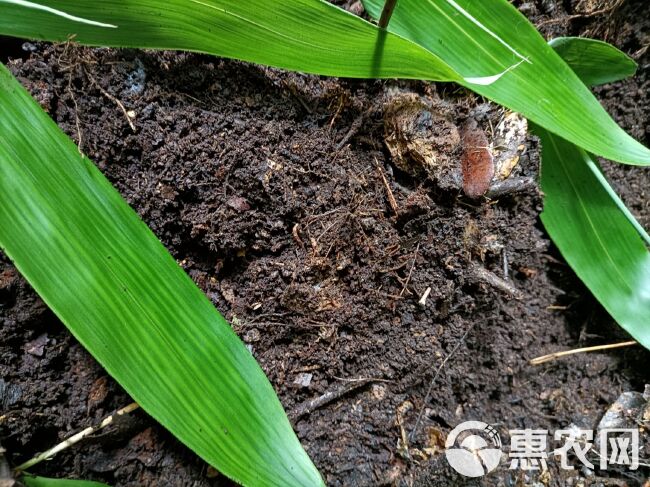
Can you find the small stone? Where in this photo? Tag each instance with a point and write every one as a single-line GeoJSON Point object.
{"type": "Point", "coordinates": [252, 336]}
{"type": "Point", "coordinates": [29, 47]}
{"type": "Point", "coordinates": [622, 414]}
{"type": "Point", "coordinates": [378, 391]}
{"type": "Point", "coordinates": [303, 379]}
{"type": "Point", "coordinates": [37, 346]}
{"type": "Point", "coordinates": [98, 392]}
{"type": "Point", "coordinates": [10, 394]}
{"type": "Point", "coordinates": [136, 79]}
{"type": "Point", "coordinates": [238, 203]}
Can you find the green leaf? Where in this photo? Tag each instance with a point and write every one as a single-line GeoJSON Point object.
{"type": "Point", "coordinates": [499, 54]}
{"type": "Point", "coordinates": [33, 481]}
{"type": "Point", "coordinates": [595, 237]}
{"type": "Point", "coordinates": [593, 229]}
{"type": "Point", "coordinates": [587, 59]}
{"type": "Point", "coordinates": [619, 202]}
{"type": "Point", "coordinates": [595, 62]}
{"type": "Point", "coordinates": [117, 289]}
{"type": "Point", "coordinates": [311, 36]}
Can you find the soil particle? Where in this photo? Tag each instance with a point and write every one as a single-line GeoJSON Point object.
{"type": "Point", "coordinates": [241, 173]}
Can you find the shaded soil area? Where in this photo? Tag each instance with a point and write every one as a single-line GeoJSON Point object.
{"type": "Point", "coordinates": [277, 194]}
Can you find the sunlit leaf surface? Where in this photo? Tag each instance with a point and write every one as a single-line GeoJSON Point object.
{"type": "Point", "coordinates": [597, 235]}
{"type": "Point", "coordinates": [117, 289]}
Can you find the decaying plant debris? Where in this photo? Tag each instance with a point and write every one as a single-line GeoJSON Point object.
{"type": "Point", "coordinates": [423, 141]}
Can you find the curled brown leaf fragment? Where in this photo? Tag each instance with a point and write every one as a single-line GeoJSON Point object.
{"type": "Point", "coordinates": [477, 163]}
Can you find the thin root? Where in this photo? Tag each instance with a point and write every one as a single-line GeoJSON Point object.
{"type": "Point", "coordinates": [607, 10]}
{"type": "Point", "coordinates": [120, 105]}
{"type": "Point", "coordinates": [414, 431]}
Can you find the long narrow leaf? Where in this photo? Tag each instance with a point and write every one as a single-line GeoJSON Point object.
{"type": "Point", "coordinates": [500, 55]}
{"type": "Point", "coordinates": [593, 229]}
{"type": "Point", "coordinates": [595, 237]}
{"type": "Point", "coordinates": [595, 62]}
{"type": "Point", "coordinates": [302, 35]}
{"type": "Point", "coordinates": [110, 280]}
{"type": "Point", "coordinates": [33, 481]}
{"type": "Point", "coordinates": [616, 199]}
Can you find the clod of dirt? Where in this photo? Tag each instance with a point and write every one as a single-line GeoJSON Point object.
{"type": "Point", "coordinates": [422, 139]}
{"type": "Point", "coordinates": [238, 203]}
{"type": "Point", "coordinates": [7, 279]}
{"type": "Point", "coordinates": [98, 392]}
{"type": "Point", "coordinates": [37, 346]}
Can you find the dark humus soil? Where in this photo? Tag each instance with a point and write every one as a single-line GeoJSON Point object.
{"type": "Point", "coordinates": [268, 188]}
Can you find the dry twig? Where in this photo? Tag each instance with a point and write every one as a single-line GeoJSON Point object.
{"type": "Point", "coordinates": [482, 274]}
{"type": "Point", "coordinates": [76, 114]}
{"type": "Point", "coordinates": [597, 348]}
{"type": "Point", "coordinates": [408, 278]}
{"type": "Point", "coordinates": [75, 438]}
{"type": "Point", "coordinates": [354, 128]}
{"type": "Point", "coordinates": [330, 396]}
